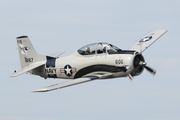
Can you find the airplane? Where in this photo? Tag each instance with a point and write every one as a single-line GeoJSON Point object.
{"type": "Point", "coordinates": [94, 61]}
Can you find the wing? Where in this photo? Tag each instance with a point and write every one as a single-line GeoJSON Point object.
{"type": "Point", "coordinates": [148, 40]}
{"type": "Point", "coordinates": [73, 82]}
{"type": "Point", "coordinates": [28, 68]}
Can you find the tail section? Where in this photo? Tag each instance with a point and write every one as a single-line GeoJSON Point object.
{"type": "Point", "coordinates": [27, 53]}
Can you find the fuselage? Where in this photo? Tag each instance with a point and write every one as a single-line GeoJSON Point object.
{"type": "Point", "coordinates": [77, 65]}
{"type": "Point", "coordinates": [94, 58]}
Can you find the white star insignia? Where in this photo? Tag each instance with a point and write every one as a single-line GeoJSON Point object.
{"type": "Point", "coordinates": [68, 71]}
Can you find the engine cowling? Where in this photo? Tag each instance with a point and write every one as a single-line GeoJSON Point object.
{"type": "Point", "coordinates": [138, 69]}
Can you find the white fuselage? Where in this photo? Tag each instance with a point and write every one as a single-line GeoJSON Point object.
{"type": "Point", "coordinates": [76, 65]}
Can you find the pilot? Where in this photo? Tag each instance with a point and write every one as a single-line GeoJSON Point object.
{"type": "Point", "coordinates": [104, 49]}
{"type": "Point", "coordinates": [87, 51]}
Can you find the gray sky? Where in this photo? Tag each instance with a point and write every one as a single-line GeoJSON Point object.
{"type": "Point", "coordinates": [67, 25]}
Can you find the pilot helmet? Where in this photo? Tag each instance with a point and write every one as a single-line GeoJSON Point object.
{"type": "Point", "coordinates": [87, 49]}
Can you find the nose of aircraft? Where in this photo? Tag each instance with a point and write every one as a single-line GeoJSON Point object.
{"type": "Point", "coordinates": [139, 65]}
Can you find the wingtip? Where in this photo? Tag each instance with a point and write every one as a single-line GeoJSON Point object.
{"type": "Point", "coordinates": [163, 30]}
{"type": "Point", "coordinates": [12, 75]}
{"type": "Point", "coordinates": [41, 90]}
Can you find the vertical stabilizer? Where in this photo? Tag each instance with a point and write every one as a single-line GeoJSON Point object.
{"type": "Point", "coordinates": [27, 53]}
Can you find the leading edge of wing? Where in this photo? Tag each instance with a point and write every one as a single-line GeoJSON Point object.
{"type": "Point", "coordinates": [73, 82]}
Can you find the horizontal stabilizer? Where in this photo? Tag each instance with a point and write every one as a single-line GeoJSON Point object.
{"type": "Point", "coordinates": [57, 54]}
{"type": "Point", "coordinates": [73, 82]}
{"type": "Point", "coordinates": [28, 68]}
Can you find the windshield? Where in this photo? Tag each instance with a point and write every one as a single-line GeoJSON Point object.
{"type": "Point", "coordinates": [114, 47]}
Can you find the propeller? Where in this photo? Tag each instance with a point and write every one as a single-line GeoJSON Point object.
{"type": "Point", "coordinates": [140, 64]}
{"type": "Point", "coordinates": [150, 70]}
{"type": "Point", "coordinates": [144, 64]}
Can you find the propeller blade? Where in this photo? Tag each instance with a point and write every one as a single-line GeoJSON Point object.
{"type": "Point", "coordinates": [150, 70]}
{"type": "Point", "coordinates": [130, 77]}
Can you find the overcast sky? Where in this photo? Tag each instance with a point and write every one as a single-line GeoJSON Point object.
{"type": "Point", "coordinates": [67, 25]}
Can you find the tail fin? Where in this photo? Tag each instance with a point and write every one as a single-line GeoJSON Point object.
{"type": "Point", "coordinates": [27, 53]}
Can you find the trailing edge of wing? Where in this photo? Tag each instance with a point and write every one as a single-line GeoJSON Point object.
{"type": "Point", "coordinates": [28, 68]}
{"type": "Point", "coordinates": [148, 40]}
{"type": "Point", "coordinates": [72, 82]}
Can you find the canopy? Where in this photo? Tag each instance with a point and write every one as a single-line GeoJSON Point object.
{"type": "Point", "coordinates": [98, 48]}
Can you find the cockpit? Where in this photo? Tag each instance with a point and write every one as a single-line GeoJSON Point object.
{"type": "Point", "coordinates": [98, 48]}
